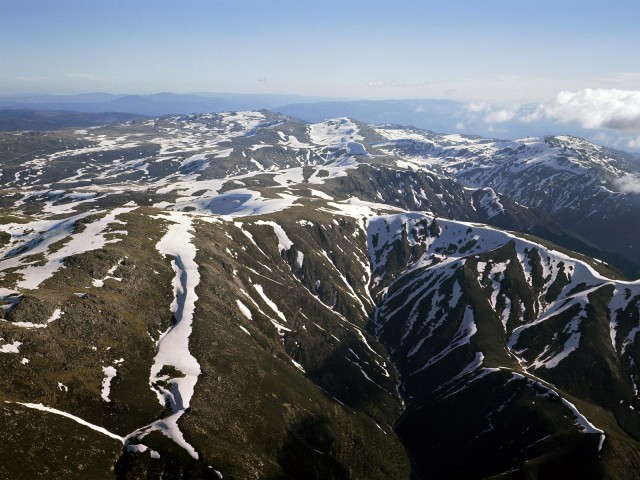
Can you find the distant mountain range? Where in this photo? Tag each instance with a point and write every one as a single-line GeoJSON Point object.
{"type": "Point", "coordinates": [152, 105]}
{"type": "Point", "coordinates": [444, 116]}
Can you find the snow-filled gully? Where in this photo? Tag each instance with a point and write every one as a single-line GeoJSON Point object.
{"type": "Point", "coordinates": [173, 345]}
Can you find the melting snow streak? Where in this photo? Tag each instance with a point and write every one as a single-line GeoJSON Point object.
{"type": "Point", "coordinates": [39, 406]}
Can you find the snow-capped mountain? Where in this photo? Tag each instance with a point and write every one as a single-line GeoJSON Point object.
{"type": "Point", "coordinates": [245, 295]}
{"type": "Point", "coordinates": [591, 189]}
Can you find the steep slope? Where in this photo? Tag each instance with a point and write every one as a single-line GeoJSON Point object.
{"type": "Point", "coordinates": [518, 357]}
{"type": "Point", "coordinates": [216, 355]}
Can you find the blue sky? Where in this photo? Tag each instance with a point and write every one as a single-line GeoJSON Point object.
{"type": "Point", "coordinates": [473, 50]}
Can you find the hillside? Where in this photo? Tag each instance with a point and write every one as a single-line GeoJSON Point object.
{"type": "Point", "coordinates": [245, 295]}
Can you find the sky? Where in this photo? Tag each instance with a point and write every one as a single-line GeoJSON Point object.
{"type": "Point", "coordinates": [468, 50]}
{"type": "Point", "coordinates": [560, 61]}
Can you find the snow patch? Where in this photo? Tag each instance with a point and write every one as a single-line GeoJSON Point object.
{"type": "Point", "coordinates": [10, 347]}
{"type": "Point", "coordinates": [109, 374]}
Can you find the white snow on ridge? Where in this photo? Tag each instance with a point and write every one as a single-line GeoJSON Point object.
{"type": "Point", "coordinates": [463, 336]}
{"type": "Point", "coordinates": [247, 120]}
{"type": "Point", "coordinates": [477, 239]}
{"type": "Point", "coordinates": [391, 133]}
{"type": "Point", "coordinates": [78, 198]}
{"type": "Point", "coordinates": [487, 238]}
{"type": "Point", "coordinates": [334, 133]}
{"type": "Point", "coordinates": [581, 420]}
{"type": "Point", "coordinates": [356, 208]}
{"type": "Point", "coordinates": [57, 313]}
{"type": "Point", "coordinates": [99, 282]}
{"type": "Point", "coordinates": [91, 238]}
{"type": "Point", "coordinates": [269, 302]}
{"type": "Point", "coordinates": [551, 359]}
{"type": "Point", "coordinates": [239, 202]}
{"type": "Point", "coordinates": [283, 240]}
{"type": "Point", "coordinates": [244, 309]}
{"type": "Point", "coordinates": [490, 203]}
{"type": "Point", "coordinates": [297, 365]}
{"type": "Point", "coordinates": [349, 289]}
{"type": "Point", "coordinates": [573, 342]}
{"type": "Point", "coordinates": [320, 194]}
{"type": "Point", "coordinates": [194, 163]}
{"type": "Point", "coordinates": [292, 141]}
{"type": "Point", "coordinates": [223, 153]}
{"type": "Point", "coordinates": [279, 327]}
{"type": "Point", "coordinates": [587, 426]}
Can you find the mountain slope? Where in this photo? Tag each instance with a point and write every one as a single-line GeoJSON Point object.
{"type": "Point", "coordinates": [251, 296]}
{"type": "Point", "coordinates": [248, 339]}
{"type": "Point", "coordinates": [580, 185]}
{"type": "Point", "coordinates": [481, 325]}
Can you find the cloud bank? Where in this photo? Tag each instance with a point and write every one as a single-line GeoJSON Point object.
{"type": "Point", "coordinates": [590, 108]}
{"type": "Point", "coordinates": [628, 184]}
{"type": "Point", "coordinates": [595, 108]}
{"type": "Point", "coordinates": [609, 116]}
{"type": "Point", "coordinates": [492, 114]}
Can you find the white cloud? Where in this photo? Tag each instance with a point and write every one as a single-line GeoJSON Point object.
{"type": "Point", "coordinates": [492, 114]}
{"type": "Point", "coordinates": [477, 107]}
{"type": "Point", "coordinates": [500, 116]}
{"type": "Point", "coordinates": [634, 143]}
{"type": "Point", "coordinates": [532, 116]}
{"type": "Point", "coordinates": [594, 108]}
{"type": "Point", "coordinates": [610, 117]}
{"type": "Point", "coordinates": [628, 184]}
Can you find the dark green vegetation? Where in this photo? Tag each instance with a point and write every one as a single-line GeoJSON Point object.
{"type": "Point", "coordinates": [343, 326]}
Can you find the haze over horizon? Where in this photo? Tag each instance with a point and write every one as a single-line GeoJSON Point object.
{"type": "Point", "coordinates": [571, 61]}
